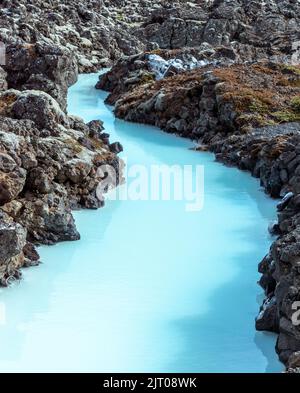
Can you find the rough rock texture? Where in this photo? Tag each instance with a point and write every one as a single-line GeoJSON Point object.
{"type": "Point", "coordinates": [252, 29]}
{"type": "Point", "coordinates": [48, 42]}
{"type": "Point", "coordinates": [41, 66]}
{"type": "Point", "coordinates": [132, 71]}
{"type": "Point", "coordinates": [208, 32]}
{"type": "Point", "coordinates": [250, 117]}
{"type": "Point", "coordinates": [95, 32]}
{"type": "Point", "coordinates": [12, 253]}
{"type": "Point", "coordinates": [210, 100]}
{"type": "Point", "coordinates": [48, 165]}
{"type": "Point", "coordinates": [48, 160]}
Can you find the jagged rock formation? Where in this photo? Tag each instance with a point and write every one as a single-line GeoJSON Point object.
{"type": "Point", "coordinates": [48, 165]}
{"type": "Point", "coordinates": [135, 70]}
{"type": "Point", "coordinates": [41, 66]}
{"type": "Point", "coordinates": [95, 32]}
{"type": "Point", "coordinates": [99, 32]}
{"type": "Point", "coordinates": [212, 99]}
{"type": "Point", "coordinates": [252, 29]}
{"type": "Point", "coordinates": [48, 160]}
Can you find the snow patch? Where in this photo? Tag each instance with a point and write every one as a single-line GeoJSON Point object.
{"type": "Point", "coordinates": [160, 66]}
{"type": "Point", "coordinates": [266, 305]}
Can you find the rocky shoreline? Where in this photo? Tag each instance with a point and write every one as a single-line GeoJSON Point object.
{"type": "Point", "coordinates": [48, 166]}
{"type": "Point", "coordinates": [222, 73]}
{"type": "Point", "coordinates": [48, 160]}
{"type": "Point", "coordinates": [249, 116]}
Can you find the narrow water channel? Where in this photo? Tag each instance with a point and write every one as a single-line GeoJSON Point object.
{"type": "Point", "coordinates": [149, 287]}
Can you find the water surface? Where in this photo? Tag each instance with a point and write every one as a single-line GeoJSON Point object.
{"type": "Point", "coordinates": [149, 287]}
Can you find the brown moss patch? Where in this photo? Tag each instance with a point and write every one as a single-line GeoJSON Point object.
{"type": "Point", "coordinates": [6, 102]}
{"type": "Point", "coordinates": [277, 148]}
{"type": "Point", "coordinates": [31, 49]}
{"type": "Point", "coordinates": [262, 94]}
{"type": "Point", "coordinates": [165, 53]}
{"type": "Point", "coordinates": [96, 143]}
{"type": "Point", "coordinates": [103, 158]}
{"type": "Point", "coordinates": [73, 145]}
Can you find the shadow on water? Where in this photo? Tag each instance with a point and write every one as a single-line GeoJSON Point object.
{"type": "Point", "coordinates": [207, 333]}
{"type": "Point", "coordinates": [264, 203]}
{"type": "Point", "coordinates": [232, 301]}
{"type": "Point", "coordinates": [262, 340]}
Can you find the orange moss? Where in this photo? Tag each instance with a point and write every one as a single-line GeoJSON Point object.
{"type": "Point", "coordinates": [6, 102]}
{"type": "Point", "coordinates": [31, 50]}
{"type": "Point", "coordinates": [277, 148]}
{"type": "Point", "coordinates": [97, 144]}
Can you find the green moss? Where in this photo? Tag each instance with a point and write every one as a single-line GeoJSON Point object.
{"type": "Point", "coordinates": [285, 116]}
{"type": "Point", "coordinates": [291, 69]}
{"type": "Point", "coordinates": [295, 104]}
{"type": "Point", "coordinates": [256, 120]}
{"type": "Point", "coordinates": [120, 17]}
{"type": "Point", "coordinates": [291, 75]}
{"type": "Point", "coordinates": [146, 78]}
{"type": "Point", "coordinates": [262, 95]}
{"type": "Point", "coordinates": [258, 106]}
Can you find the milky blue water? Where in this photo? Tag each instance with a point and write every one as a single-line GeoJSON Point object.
{"type": "Point", "coordinates": [150, 287]}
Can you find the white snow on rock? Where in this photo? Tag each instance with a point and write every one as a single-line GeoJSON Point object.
{"type": "Point", "coordinates": [160, 66]}
{"type": "Point", "coordinates": [267, 304]}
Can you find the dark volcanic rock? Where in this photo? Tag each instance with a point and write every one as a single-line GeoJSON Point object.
{"type": "Point", "coordinates": [93, 33]}
{"type": "Point", "coordinates": [268, 318]}
{"type": "Point", "coordinates": [41, 66]}
{"type": "Point", "coordinates": [39, 107]}
{"type": "Point", "coordinates": [116, 147]}
{"type": "Point", "coordinates": [13, 241]}
{"type": "Point", "coordinates": [252, 30]}
{"type": "Point", "coordinates": [48, 164]}
{"type": "Point", "coordinates": [49, 161]}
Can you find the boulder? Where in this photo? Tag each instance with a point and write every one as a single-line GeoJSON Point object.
{"type": "Point", "coordinates": [13, 240]}
{"type": "Point", "coordinates": [39, 107]}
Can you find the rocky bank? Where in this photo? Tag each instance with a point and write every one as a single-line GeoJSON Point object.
{"type": "Point", "coordinates": [48, 165]}
{"type": "Point", "coordinates": [48, 160]}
